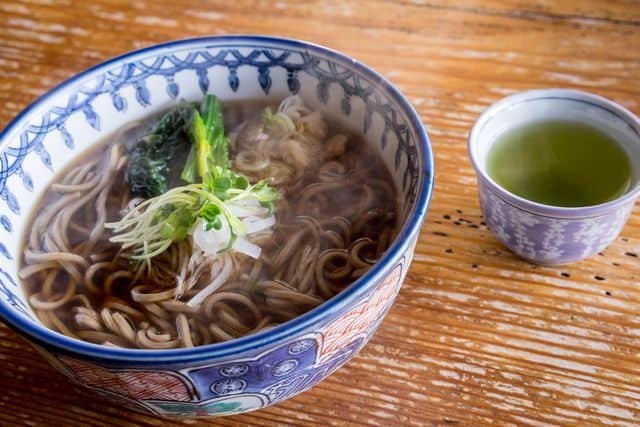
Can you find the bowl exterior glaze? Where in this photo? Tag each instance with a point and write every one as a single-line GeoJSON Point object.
{"type": "Point", "coordinates": [549, 240]}
{"type": "Point", "coordinates": [242, 382]}
{"type": "Point", "coordinates": [250, 372]}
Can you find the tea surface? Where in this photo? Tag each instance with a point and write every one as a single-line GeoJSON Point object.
{"type": "Point", "coordinates": [560, 163]}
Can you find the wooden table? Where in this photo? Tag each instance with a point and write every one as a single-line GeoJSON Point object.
{"type": "Point", "coordinates": [477, 336]}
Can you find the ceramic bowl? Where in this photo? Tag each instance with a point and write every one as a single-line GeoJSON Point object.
{"type": "Point", "coordinates": [541, 233]}
{"type": "Point", "coordinates": [255, 371]}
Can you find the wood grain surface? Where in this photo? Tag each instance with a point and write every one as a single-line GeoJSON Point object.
{"type": "Point", "coordinates": [476, 336]}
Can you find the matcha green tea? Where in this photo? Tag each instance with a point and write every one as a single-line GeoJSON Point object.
{"type": "Point", "coordinates": [560, 163]}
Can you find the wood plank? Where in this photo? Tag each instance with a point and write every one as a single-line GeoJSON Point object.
{"type": "Point", "coordinates": [477, 336]}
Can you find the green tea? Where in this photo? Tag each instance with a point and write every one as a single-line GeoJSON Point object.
{"type": "Point", "coordinates": [560, 163]}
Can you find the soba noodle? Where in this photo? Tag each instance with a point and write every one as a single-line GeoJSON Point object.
{"type": "Point", "coordinates": [335, 219]}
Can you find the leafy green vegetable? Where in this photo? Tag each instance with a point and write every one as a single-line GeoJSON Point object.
{"type": "Point", "coordinates": [210, 149]}
{"type": "Point", "coordinates": [148, 168]}
{"type": "Point", "coordinates": [190, 171]}
{"type": "Point", "coordinates": [178, 223]}
{"type": "Point", "coordinates": [150, 228]}
{"type": "Point", "coordinates": [212, 117]}
{"type": "Point", "coordinates": [147, 177]}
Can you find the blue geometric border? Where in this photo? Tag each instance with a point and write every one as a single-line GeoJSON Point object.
{"type": "Point", "coordinates": [136, 73]}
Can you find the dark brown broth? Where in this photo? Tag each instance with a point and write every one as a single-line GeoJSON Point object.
{"type": "Point", "coordinates": [340, 203]}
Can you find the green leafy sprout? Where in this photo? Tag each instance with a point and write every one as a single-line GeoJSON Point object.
{"type": "Point", "coordinates": [169, 215]}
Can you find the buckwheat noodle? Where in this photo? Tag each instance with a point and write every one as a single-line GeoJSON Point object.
{"type": "Point", "coordinates": [336, 218]}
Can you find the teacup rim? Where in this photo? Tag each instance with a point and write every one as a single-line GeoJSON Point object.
{"type": "Point", "coordinates": [40, 335]}
{"type": "Point", "coordinates": [546, 210]}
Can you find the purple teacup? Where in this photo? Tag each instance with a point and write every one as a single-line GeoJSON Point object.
{"type": "Point", "coordinates": [546, 234]}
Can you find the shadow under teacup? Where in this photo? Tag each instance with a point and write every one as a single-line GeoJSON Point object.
{"type": "Point", "coordinates": [544, 233]}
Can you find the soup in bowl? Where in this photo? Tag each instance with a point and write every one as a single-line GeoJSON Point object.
{"type": "Point", "coordinates": [210, 226]}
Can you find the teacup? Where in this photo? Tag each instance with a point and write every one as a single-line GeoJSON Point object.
{"type": "Point", "coordinates": [546, 234]}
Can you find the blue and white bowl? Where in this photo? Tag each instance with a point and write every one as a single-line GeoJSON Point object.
{"type": "Point", "coordinates": [255, 371]}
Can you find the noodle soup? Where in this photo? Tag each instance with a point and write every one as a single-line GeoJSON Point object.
{"type": "Point", "coordinates": [205, 224]}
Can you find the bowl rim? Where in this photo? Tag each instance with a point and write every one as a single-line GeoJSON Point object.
{"type": "Point", "coordinates": [40, 335]}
